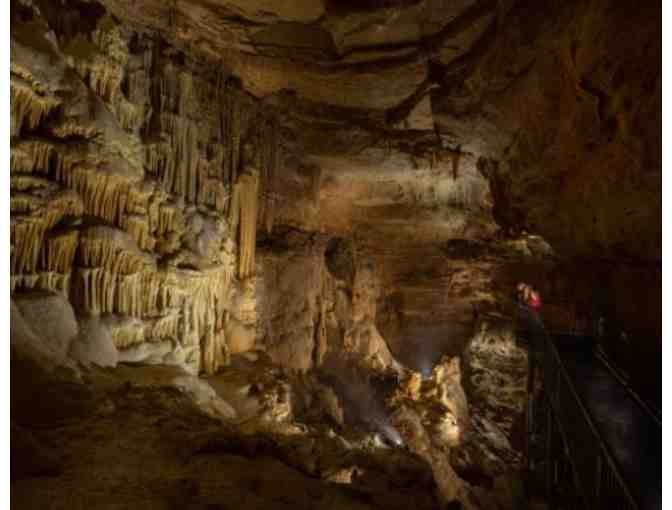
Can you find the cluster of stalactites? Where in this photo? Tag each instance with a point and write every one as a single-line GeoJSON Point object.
{"type": "Point", "coordinates": [205, 315]}
{"type": "Point", "coordinates": [111, 249]}
{"type": "Point", "coordinates": [27, 233]}
{"type": "Point", "coordinates": [99, 290]}
{"type": "Point", "coordinates": [105, 195]}
{"type": "Point", "coordinates": [36, 156]}
{"type": "Point", "coordinates": [105, 71]}
{"type": "Point", "coordinates": [58, 252]}
{"type": "Point", "coordinates": [127, 333]}
{"type": "Point", "coordinates": [28, 109]}
{"type": "Point", "coordinates": [179, 167]}
{"type": "Point", "coordinates": [230, 128]}
{"type": "Point", "coordinates": [55, 282]}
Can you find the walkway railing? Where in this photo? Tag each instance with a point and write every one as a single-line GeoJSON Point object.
{"type": "Point", "coordinates": [596, 473]}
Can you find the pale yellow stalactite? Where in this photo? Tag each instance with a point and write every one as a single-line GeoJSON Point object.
{"type": "Point", "coordinates": [127, 334]}
{"type": "Point", "coordinates": [32, 156]}
{"type": "Point", "coordinates": [27, 108]}
{"type": "Point", "coordinates": [26, 239]}
{"type": "Point", "coordinates": [138, 227]}
{"type": "Point", "coordinates": [249, 206]}
{"type": "Point", "coordinates": [105, 195]}
{"type": "Point", "coordinates": [235, 136]}
{"type": "Point", "coordinates": [166, 327]}
{"type": "Point", "coordinates": [45, 281]}
{"type": "Point", "coordinates": [234, 210]}
{"type": "Point", "coordinates": [129, 115]}
{"type": "Point", "coordinates": [58, 252]}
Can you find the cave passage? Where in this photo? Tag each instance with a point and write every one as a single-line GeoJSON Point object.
{"type": "Point", "coordinates": [265, 254]}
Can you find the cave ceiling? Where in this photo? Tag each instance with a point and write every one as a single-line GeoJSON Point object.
{"type": "Point", "coordinates": [421, 103]}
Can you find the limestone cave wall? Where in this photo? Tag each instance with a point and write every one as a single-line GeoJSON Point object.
{"type": "Point", "coordinates": [135, 173]}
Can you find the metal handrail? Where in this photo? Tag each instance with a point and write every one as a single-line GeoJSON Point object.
{"type": "Point", "coordinates": [605, 458]}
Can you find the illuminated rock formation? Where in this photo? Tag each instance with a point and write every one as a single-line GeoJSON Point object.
{"type": "Point", "coordinates": [289, 233]}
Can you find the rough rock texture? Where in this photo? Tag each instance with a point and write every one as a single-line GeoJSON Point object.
{"type": "Point", "coordinates": [94, 344]}
{"type": "Point", "coordinates": [496, 384]}
{"type": "Point", "coordinates": [348, 190]}
{"type": "Point", "coordinates": [52, 315]}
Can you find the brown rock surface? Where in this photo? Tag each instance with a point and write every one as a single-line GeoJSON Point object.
{"type": "Point", "coordinates": [304, 202]}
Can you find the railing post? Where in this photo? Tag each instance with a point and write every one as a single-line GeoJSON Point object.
{"type": "Point", "coordinates": [550, 458]}
{"type": "Point", "coordinates": [531, 368]}
{"type": "Point", "coordinates": [598, 482]}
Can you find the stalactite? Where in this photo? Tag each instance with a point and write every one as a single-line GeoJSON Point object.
{"type": "Point", "coordinates": [166, 328]}
{"type": "Point", "coordinates": [213, 193]}
{"type": "Point", "coordinates": [455, 158]}
{"type": "Point", "coordinates": [111, 249]}
{"type": "Point", "coordinates": [166, 220]}
{"type": "Point", "coordinates": [72, 128]}
{"type": "Point", "coordinates": [104, 77]}
{"type": "Point", "coordinates": [50, 281]}
{"type": "Point", "coordinates": [226, 139]}
{"type": "Point", "coordinates": [204, 314]}
{"type": "Point", "coordinates": [138, 227]}
{"type": "Point", "coordinates": [53, 281]}
{"type": "Point", "coordinates": [249, 206]}
{"type": "Point", "coordinates": [22, 203]}
{"type": "Point", "coordinates": [127, 333]}
{"type": "Point", "coordinates": [28, 109]}
{"type": "Point", "coordinates": [26, 236]}
{"type": "Point", "coordinates": [105, 195]}
{"type": "Point", "coordinates": [94, 290]}
{"type": "Point", "coordinates": [235, 136]}
{"type": "Point", "coordinates": [129, 115]}
{"type": "Point", "coordinates": [186, 91]}
{"type": "Point", "coordinates": [58, 252]}
{"type": "Point", "coordinates": [270, 168]}
{"type": "Point", "coordinates": [20, 183]}
{"type": "Point", "coordinates": [215, 353]}
{"type": "Point", "coordinates": [234, 210]}
{"type": "Point", "coordinates": [33, 156]}
{"type": "Point", "coordinates": [177, 164]}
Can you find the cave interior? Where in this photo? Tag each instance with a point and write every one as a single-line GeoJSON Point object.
{"type": "Point", "coordinates": [265, 254]}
